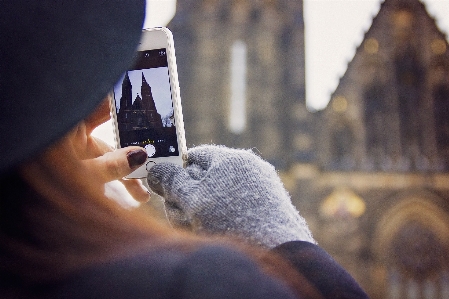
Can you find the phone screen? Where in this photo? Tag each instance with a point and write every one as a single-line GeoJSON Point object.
{"type": "Point", "coordinates": [144, 106]}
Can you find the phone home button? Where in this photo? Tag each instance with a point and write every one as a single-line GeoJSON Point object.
{"type": "Point", "coordinates": [149, 165]}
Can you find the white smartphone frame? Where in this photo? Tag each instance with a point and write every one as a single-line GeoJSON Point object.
{"type": "Point", "coordinates": [152, 39]}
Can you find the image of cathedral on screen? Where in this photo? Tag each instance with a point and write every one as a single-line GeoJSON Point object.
{"type": "Point", "coordinates": [139, 113]}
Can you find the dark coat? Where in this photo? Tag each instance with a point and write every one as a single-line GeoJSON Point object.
{"type": "Point", "coordinates": [209, 272]}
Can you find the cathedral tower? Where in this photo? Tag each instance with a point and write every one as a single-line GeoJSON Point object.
{"type": "Point", "coordinates": [149, 107]}
{"type": "Point", "coordinates": [241, 72]}
{"type": "Point", "coordinates": [124, 115]}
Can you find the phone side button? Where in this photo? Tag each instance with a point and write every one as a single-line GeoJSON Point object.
{"type": "Point", "coordinates": [149, 165]}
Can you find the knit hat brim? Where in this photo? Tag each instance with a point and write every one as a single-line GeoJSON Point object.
{"type": "Point", "coordinates": [58, 60]}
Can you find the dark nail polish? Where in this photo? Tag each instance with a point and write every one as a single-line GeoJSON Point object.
{"type": "Point", "coordinates": [136, 158]}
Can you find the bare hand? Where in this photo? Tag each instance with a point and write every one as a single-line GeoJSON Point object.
{"type": "Point", "coordinates": [92, 156]}
{"type": "Point", "coordinates": [113, 164]}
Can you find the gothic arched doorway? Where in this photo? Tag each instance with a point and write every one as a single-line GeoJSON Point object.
{"type": "Point", "coordinates": [412, 246]}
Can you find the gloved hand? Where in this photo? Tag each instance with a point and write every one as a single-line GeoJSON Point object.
{"type": "Point", "coordinates": [229, 192]}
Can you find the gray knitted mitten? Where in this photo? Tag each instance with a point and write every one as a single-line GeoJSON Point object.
{"type": "Point", "coordinates": [229, 192]}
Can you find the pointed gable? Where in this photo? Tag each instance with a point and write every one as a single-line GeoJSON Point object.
{"type": "Point", "coordinates": [393, 100]}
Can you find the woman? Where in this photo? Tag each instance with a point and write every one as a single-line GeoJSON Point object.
{"type": "Point", "coordinates": [62, 237]}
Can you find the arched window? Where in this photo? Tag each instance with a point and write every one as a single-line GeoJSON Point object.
{"type": "Point", "coordinates": [441, 110]}
{"type": "Point", "coordinates": [417, 268]}
{"type": "Point", "coordinates": [413, 249]}
{"type": "Point", "coordinates": [237, 105]}
{"type": "Point", "coordinates": [342, 148]}
{"type": "Point", "coordinates": [410, 76]}
{"type": "Point", "coordinates": [375, 119]}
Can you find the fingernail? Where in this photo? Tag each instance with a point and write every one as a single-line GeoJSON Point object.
{"type": "Point", "coordinates": [136, 158]}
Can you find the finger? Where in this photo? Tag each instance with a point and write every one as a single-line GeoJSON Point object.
{"type": "Point", "coordinates": [87, 146]}
{"type": "Point", "coordinates": [202, 155]}
{"type": "Point", "coordinates": [176, 216]}
{"type": "Point", "coordinates": [101, 145]}
{"type": "Point", "coordinates": [96, 147]}
{"type": "Point", "coordinates": [117, 164]}
{"type": "Point", "coordinates": [101, 114]}
{"type": "Point", "coordinates": [136, 189]}
{"type": "Point", "coordinates": [116, 191]}
{"type": "Point", "coordinates": [169, 180]}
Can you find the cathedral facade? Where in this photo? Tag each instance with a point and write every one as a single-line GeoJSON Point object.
{"type": "Point", "coordinates": [370, 173]}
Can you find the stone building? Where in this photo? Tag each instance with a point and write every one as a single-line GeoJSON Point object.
{"type": "Point", "coordinates": [139, 113]}
{"type": "Point", "coordinates": [241, 72]}
{"type": "Point", "coordinates": [369, 172]}
{"type": "Point", "coordinates": [380, 183]}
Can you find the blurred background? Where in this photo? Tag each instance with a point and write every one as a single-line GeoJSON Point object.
{"type": "Point", "coordinates": [350, 101]}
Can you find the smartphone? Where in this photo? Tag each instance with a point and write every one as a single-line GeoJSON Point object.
{"type": "Point", "coordinates": [146, 103]}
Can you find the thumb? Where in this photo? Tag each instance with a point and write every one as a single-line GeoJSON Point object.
{"type": "Point", "coordinates": [118, 163]}
{"type": "Point", "coordinates": [172, 182]}
{"type": "Point", "coordinates": [168, 180]}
